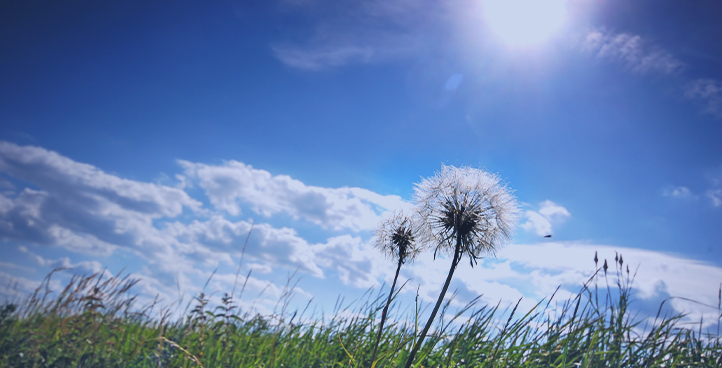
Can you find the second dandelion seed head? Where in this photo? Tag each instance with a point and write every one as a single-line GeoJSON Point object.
{"type": "Point", "coordinates": [395, 237]}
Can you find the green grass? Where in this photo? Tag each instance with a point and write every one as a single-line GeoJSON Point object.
{"type": "Point", "coordinates": [93, 322]}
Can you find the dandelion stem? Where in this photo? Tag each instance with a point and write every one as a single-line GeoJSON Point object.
{"type": "Point", "coordinates": [386, 309]}
{"type": "Point", "coordinates": [454, 263]}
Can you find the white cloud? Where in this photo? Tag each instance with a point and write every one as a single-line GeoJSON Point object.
{"type": "Point", "coordinates": [678, 192]}
{"type": "Point", "coordinates": [659, 274]}
{"type": "Point", "coordinates": [715, 195]}
{"type": "Point", "coordinates": [354, 260]}
{"type": "Point", "coordinates": [82, 209]}
{"type": "Point", "coordinates": [709, 91]}
{"type": "Point", "coordinates": [61, 175]}
{"type": "Point", "coordinates": [356, 209]}
{"type": "Point", "coordinates": [552, 210]}
{"type": "Point", "coordinates": [265, 295]}
{"type": "Point", "coordinates": [631, 51]}
{"type": "Point", "coordinates": [347, 32]}
{"type": "Point", "coordinates": [534, 271]}
{"type": "Point", "coordinates": [320, 58]}
{"type": "Point", "coordinates": [80, 206]}
{"type": "Point", "coordinates": [15, 288]}
{"type": "Point", "coordinates": [541, 221]}
{"type": "Point", "coordinates": [88, 267]}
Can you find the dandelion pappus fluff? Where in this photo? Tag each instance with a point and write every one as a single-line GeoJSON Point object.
{"type": "Point", "coordinates": [469, 204]}
{"type": "Point", "coordinates": [395, 238]}
{"type": "Point", "coordinates": [461, 211]}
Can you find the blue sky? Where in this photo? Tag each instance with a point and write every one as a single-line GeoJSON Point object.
{"type": "Point", "coordinates": [149, 136]}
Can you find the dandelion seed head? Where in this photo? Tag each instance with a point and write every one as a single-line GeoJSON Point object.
{"type": "Point", "coordinates": [468, 203]}
{"type": "Point", "coordinates": [395, 238]}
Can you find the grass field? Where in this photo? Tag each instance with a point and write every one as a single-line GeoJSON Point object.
{"type": "Point", "coordinates": [93, 322]}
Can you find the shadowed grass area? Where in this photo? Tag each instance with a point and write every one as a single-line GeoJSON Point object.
{"type": "Point", "coordinates": [92, 322]}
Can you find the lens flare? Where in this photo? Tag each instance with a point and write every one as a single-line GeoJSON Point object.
{"type": "Point", "coordinates": [522, 23]}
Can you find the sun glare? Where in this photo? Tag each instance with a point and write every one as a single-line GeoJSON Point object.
{"type": "Point", "coordinates": [522, 23]}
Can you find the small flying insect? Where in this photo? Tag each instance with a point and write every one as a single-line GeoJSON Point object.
{"type": "Point", "coordinates": [548, 236]}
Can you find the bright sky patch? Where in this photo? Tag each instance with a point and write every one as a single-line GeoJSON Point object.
{"type": "Point", "coordinates": [520, 23]}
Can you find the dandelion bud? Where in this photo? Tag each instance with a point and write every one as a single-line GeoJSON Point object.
{"type": "Point", "coordinates": [605, 267]}
{"type": "Point", "coordinates": [596, 260]}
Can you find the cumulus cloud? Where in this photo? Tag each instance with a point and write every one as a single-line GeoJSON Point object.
{"type": "Point", "coordinates": [81, 208]}
{"type": "Point", "coordinates": [85, 183]}
{"type": "Point", "coordinates": [14, 288]}
{"type": "Point", "coordinates": [632, 51]}
{"type": "Point", "coordinates": [541, 221]}
{"type": "Point", "coordinates": [353, 260]}
{"type": "Point", "coordinates": [87, 267]}
{"type": "Point", "coordinates": [534, 271]}
{"type": "Point", "coordinates": [709, 91]}
{"type": "Point", "coordinates": [334, 208]}
{"type": "Point", "coordinates": [79, 205]}
{"type": "Point", "coordinates": [658, 275]}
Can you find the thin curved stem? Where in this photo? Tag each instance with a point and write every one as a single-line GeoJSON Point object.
{"type": "Point", "coordinates": [383, 314]}
{"type": "Point", "coordinates": [454, 263]}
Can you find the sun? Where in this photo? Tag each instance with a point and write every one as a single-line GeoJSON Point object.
{"type": "Point", "coordinates": [524, 23]}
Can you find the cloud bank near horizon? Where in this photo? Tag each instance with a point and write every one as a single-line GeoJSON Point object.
{"type": "Point", "coordinates": [55, 212]}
